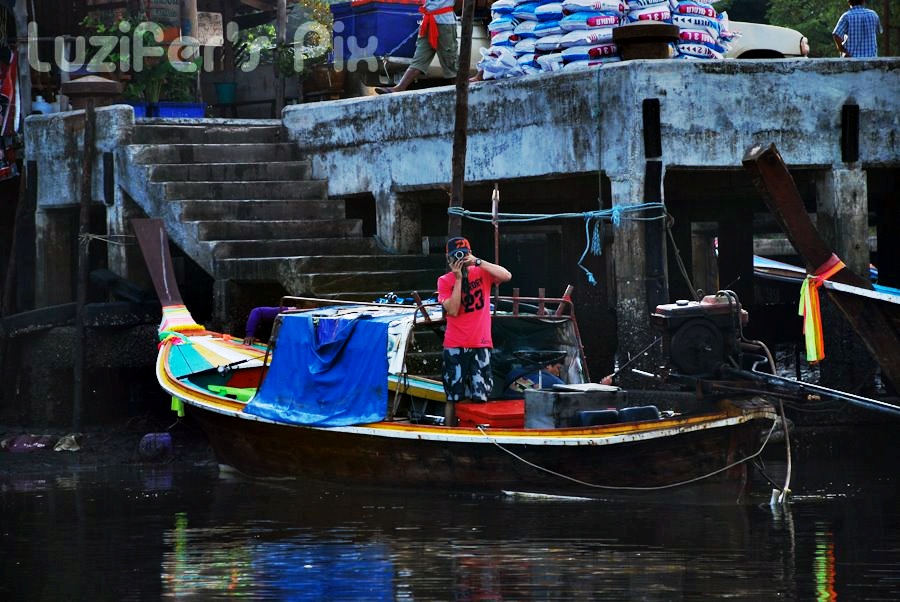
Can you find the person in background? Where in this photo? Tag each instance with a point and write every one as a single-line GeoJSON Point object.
{"type": "Point", "coordinates": [855, 34]}
{"type": "Point", "coordinates": [437, 35]}
{"type": "Point", "coordinates": [550, 374]}
{"type": "Point", "coordinates": [258, 315]}
{"type": "Point", "coordinates": [465, 294]}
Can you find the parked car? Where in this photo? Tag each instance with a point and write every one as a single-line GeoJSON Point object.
{"type": "Point", "coordinates": [760, 41]}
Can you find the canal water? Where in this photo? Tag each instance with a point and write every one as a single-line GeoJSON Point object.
{"type": "Point", "coordinates": [186, 531]}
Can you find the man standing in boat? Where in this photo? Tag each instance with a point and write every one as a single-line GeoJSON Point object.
{"type": "Point", "coordinates": [465, 293]}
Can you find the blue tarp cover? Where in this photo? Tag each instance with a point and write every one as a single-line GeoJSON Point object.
{"type": "Point", "coordinates": [330, 373]}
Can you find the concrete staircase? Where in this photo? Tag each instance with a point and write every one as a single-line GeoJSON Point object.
{"type": "Point", "coordinates": [241, 202]}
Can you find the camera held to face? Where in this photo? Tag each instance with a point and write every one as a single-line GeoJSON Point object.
{"type": "Point", "coordinates": [458, 254]}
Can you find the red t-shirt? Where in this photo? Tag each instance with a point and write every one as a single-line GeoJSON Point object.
{"type": "Point", "coordinates": [471, 327]}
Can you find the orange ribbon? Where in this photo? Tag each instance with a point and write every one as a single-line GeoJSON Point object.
{"type": "Point", "coordinates": [810, 310]}
{"type": "Point", "coordinates": [429, 27]}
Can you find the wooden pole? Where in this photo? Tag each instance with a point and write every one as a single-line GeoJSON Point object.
{"type": "Point", "coordinates": [9, 285]}
{"type": "Point", "coordinates": [227, 47]}
{"type": "Point", "coordinates": [21, 14]}
{"type": "Point", "coordinates": [495, 219]}
{"type": "Point", "coordinates": [461, 123]}
{"type": "Point", "coordinates": [281, 38]}
{"type": "Point", "coordinates": [84, 225]}
{"type": "Point", "coordinates": [189, 28]}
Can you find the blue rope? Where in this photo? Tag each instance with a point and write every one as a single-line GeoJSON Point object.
{"type": "Point", "coordinates": [593, 241]}
{"type": "Point", "coordinates": [616, 216]}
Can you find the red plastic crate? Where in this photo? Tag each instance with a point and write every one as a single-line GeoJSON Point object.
{"type": "Point", "coordinates": [497, 414]}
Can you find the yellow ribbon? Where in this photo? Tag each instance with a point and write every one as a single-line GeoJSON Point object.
{"type": "Point", "coordinates": [811, 311]}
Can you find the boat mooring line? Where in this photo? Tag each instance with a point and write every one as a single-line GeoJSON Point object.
{"type": "Point", "coordinates": [786, 490]}
{"type": "Point", "coordinates": [625, 487]}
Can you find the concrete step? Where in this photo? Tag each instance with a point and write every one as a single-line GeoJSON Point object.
{"type": "Point", "coordinates": [262, 268]}
{"type": "Point", "coordinates": [295, 246]}
{"type": "Point", "coordinates": [394, 280]}
{"type": "Point", "coordinates": [267, 229]}
{"type": "Point", "coordinates": [228, 191]}
{"type": "Point", "coordinates": [160, 154]}
{"type": "Point", "coordinates": [205, 134]}
{"type": "Point", "coordinates": [219, 172]}
{"type": "Point", "coordinates": [256, 209]}
{"type": "Point", "coordinates": [372, 296]}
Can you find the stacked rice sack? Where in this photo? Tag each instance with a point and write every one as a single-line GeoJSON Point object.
{"type": "Point", "coordinates": [587, 26]}
{"type": "Point", "coordinates": [529, 36]}
{"type": "Point", "coordinates": [550, 36]}
{"type": "Point", "coordinates": [501, 60]}
{"type": "Point", "coordinates": [703, 33]}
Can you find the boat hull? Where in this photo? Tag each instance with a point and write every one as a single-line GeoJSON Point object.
{"type": "Point", "coordinates": [627, 464]}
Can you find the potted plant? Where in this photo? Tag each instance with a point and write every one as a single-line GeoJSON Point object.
{"type": "Point", "coordinates": [157, 87]}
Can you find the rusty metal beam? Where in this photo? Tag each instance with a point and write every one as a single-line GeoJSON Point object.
{"type": "Point", "coordinates": [877, 324]}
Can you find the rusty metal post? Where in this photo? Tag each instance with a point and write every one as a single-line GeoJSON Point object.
{"type": "Point", "coordinates": [86, 90]}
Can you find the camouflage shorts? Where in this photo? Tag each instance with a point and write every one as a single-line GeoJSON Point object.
{"type": "Point", "coordinates": [467, 374]}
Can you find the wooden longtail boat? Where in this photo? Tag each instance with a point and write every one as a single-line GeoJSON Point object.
{"type": "Point", "coordinates": [395, 438]}
{"type": "Point", "coordinates": [874, 314]}
{"type": "Point", "coordinates": [351, 392]}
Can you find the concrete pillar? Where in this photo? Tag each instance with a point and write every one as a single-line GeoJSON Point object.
{"type": "Point", "coordinates": [398, 219]}
{"type": "Point", "coordinates": [704, 264]}
{"type": "Point", "coordinates": [229, 313]}
{"type": "Point", "coordinates": [843, 215]}
{"type": "Point", "coordinates": [736, 252]}
{"type": "Point", "coordinates": [54, 257]}
{"type": "Point", "coordinates": [632, 315]}
{"type": "Point", "coordinates": [126, 260]}
{"type": "Point", "coordinates": [842, 220]}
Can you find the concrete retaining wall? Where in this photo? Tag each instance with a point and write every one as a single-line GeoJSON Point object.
{"type": "Point", "coordinates": [55, 143]}
{"type": "Point", "coordinates": [711, 112]}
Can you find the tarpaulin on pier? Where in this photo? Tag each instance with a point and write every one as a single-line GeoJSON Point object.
{"type": "Point", "coordinates": [326, 372]}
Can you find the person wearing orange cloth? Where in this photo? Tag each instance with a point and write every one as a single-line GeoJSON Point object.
{"type": "Point", "coordinates": [437, 35]}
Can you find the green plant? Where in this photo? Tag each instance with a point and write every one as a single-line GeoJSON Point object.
{"type": "Point", "coordinates": [157, 77]}
{"type": "Point", "coordinates": [308, 41]}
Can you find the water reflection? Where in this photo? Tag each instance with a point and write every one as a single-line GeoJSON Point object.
{"type": "Point", "coordinates": [139, 534]}
{"type": "Point", "coordinates": [255, 561]}
{"type": "Point", "coordinates": [824, 565]}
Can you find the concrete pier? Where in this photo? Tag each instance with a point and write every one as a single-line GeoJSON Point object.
{"type": "Point", "coordinates": [379, 167]}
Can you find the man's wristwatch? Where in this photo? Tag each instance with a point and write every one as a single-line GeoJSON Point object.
{"type": "Point", "coordinates": [477, 261]}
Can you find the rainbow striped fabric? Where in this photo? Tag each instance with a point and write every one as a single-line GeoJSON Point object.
{"type": "Point", "coordinates": [176, 318]}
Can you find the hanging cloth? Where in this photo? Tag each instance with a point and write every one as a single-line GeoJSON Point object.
{"type": "Point", "coordinates": [9, 96]}
{"type": "Point", "coordinates": [810, 310]}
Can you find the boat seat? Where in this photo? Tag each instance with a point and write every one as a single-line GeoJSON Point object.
{"type": "Point", "coordinates": [639, 413]}
{"type": "Point", "coordinates": [241, 394]}
{"type": "Point", "coordinates": [597, 417]}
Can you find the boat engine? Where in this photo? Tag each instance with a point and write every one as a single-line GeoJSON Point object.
{"type": "Point", "coordinates": [699, 337]}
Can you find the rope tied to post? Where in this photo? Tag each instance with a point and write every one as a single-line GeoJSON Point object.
{"type": "Point", "coordinates": [810, 309]}
{"type": "Point", "coordinates": [641, 212]}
